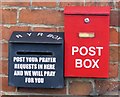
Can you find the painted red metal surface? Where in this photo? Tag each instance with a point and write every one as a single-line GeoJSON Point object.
{"type": "Point", "coordinates": [87, 42]}
{"type": "Point", "coordinates": [87, 10]}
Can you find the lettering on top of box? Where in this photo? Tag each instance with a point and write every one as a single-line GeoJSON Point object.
{"type": "Point", "coordinates": [36, 59]}
{"type": "Point", "coordinates": [86, 41]}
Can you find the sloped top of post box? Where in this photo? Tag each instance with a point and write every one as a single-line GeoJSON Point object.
{"type": "Point", "coordinates": [87, 10]}
{"type": "Point", "coordinates": [37, 37]}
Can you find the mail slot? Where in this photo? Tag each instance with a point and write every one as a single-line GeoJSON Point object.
{"type": "Point", "coordinates": [86, 41]}
{"type": "Point", "coordinates": [36, 59]}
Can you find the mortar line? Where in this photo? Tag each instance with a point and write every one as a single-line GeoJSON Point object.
{"type": "Point", "coordinates": [27, 94]}
{"type": "Point", "coordinates": [58, 3]}
{"type": "Point", "coordinates": [116, 9]}
{"type": "Point", "coordinates": [94, 88]}
{"type": "Point", "coordinates": [32, 8]}
{"type": "Point", "coordinates": [3, 41]}
{"type": "Point", "coordinates": [3, 58]}
{"type": "Point", "coordinates": [67, 87]}
{"type": "Point", "coordinates": [113, 79]}
{"type": "Point", "coordinates": [30, 2]}
{"type": "Point", "coordinates": [42, 25]}
{"type": "Point", "coordinates": [114, 27]}
{"type": "Point", "coordinates": [33, 25]}
{"type": "Point", "coordinates": [114, 1]}
{"type": "Point", "coordinates": [18, 12]}
{"type": "Point", "coordinates": [57, 29]}
{"type": "Point", "coordinates": [12, 7]}
{"type": "Point", "coordinates": [113, 62]}
{"type": "Point", "coordinates": [32, 28]}
{"type": "Point", "coordinates": [3, 75]}
{"type": "Point", "coordinates": [114, 45]}
{"type": "Point", "coordinates": [84, 2]}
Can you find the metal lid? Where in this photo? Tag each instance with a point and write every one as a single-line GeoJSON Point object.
{"type": "Point", "coordinates": [87, 10]}
{"type": "Point", "coordinates": [37, 37]}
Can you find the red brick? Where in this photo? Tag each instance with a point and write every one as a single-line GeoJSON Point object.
{"type": "Point", "coordinates": [64, 4]}
{"type": "Point", "coordinates": [0, 34]}
{"type": "Point", "coordinates": [103, 86]}
{"type": "Point", "coordinates": [43, 90]}
{"type": "Point", "coordinates": [6, 32]}
{"type": "Point", "coordinates": [80, 88]}
{"type": "Point", "coordinates": [0, 66]}
{"type": "Point", "coordinates": [0, 16]}
{"type": "Point", "coordinates": [118, 4]}
{"type": "Point", "coordinates": [5, 50]}
{"type": "Point", "coordinates": [114, 18]}
{"type": "Point", "coordinates": [5, 86]}
{"type": "Point", "coordinates": [9, 16]}
{"type": "Point", "coordinates": [45, 4]}
{"type": "Point", "coordinates": [113, 71]}
{"type": "Point", "coordinates": [0, 3]}
{"type": "Point", "coordinates": [45, 29]}
{"type": "Point", "coordinates": [119, 54]}
{"type": "Point", "coordinates": [41, 17]}
{"type": "Point", "coordinates": [0, 86]}
{"type": "Point", "coordinates": [16, 3]}
{"type": "Point", "coordinates": [114, 54]}
{"type": "Point", "coordinates": [113, 35]}
{"type": "Point", "coordinates": [0, 49]}
{"type": "Point", "coordinates": [4, 67]}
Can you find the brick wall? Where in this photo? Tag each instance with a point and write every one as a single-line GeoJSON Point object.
{"type": "Point", "coordinates": [48, 16]}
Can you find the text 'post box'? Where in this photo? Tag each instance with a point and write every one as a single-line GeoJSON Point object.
{"type": "Point", "coordinates": [86, 41]}
{"type": "Point", "coordinates": [36, 59]}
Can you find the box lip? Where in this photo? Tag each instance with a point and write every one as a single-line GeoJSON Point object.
{"type": "Point", "coordinates": [36, 40]}
{"type": "Point", "coordinates": [87, 10]}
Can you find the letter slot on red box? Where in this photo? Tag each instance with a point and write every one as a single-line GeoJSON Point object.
{"type": "Point", "coordinates": [87, 41]}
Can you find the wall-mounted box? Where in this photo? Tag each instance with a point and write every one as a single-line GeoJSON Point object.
{"type": "Point", "coordinates": [86, 41]}
{"type": "Point", "coordinates": [36, 59]}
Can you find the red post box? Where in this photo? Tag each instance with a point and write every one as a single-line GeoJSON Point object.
{"type": "Point", "coordinates": [87, 41]}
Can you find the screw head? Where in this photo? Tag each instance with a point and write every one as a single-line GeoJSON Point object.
{"type": "Point", "coordinates": [86, 20]}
